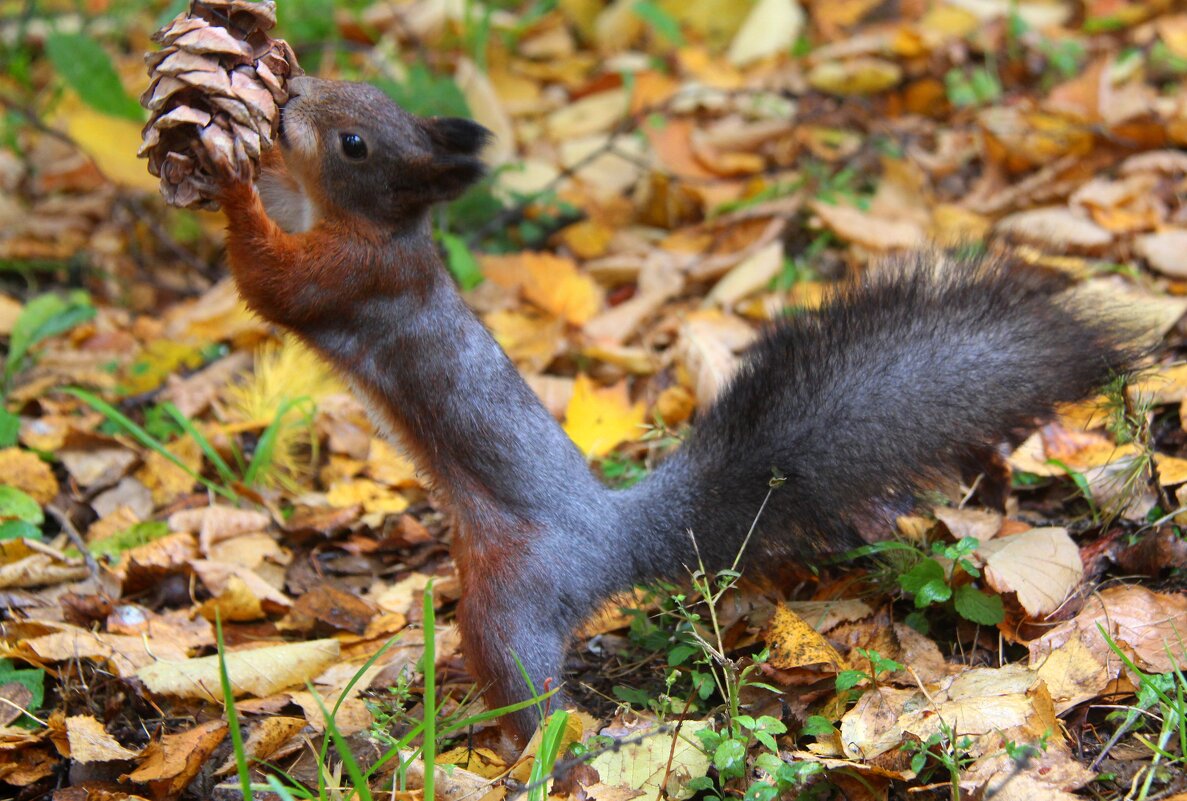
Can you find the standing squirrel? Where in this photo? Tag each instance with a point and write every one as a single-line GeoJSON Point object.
{"type": "Point", "coordinates": [896, 381]}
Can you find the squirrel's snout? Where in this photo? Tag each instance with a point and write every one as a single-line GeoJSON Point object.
{"type": "Point", "coordinates": [300, 85]}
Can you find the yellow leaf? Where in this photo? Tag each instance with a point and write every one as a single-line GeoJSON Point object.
{"type": "Point", "coordinates": [858, 76]}
{"type": "Point", "coordinates": [26, 472]}
{"type": "Point", "coordinates": [531, 340]}
{"type": "Point", "coordinates": [555, 285]}
{"type": "Point", "coordinates": [112, 142]}
{"type": "Point", "coordinates": [160, 359]}
{"type": "Point", "coordinates": [550, 282]}
{"type": "Point", "coordinates": [373, 497]}
{"type": "Point", "coordinates": [599, 418]}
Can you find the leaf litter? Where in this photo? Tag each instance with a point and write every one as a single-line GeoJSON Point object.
{"type": "Point", "coordinates": [668, 178]}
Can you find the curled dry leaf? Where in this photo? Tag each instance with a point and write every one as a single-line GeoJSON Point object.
{"type": "Point", "coordinates": [267, 740]}
{"type": "Point", "coordinates": [169, 764]}
{"type": "Point", "coordinates": [258, 672]}
{"type": "Point", "coordinates": [794, 643]}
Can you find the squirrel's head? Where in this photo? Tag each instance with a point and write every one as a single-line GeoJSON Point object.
{"type": "Point", "coordinates": [355, 152]}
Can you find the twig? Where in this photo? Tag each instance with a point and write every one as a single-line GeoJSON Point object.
{"type": "Point", "coordinates": [75, 538]}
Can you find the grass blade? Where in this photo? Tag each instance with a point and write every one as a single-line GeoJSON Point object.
{"type": "Point", "coordinates": [232, 715]}
{"type": "Point", "coordinates": [224, 470]}
{"type": "Point", "coordinates": [144, 438]}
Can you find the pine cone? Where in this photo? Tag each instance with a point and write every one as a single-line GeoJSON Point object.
{"type": "Point", "coordinates": [217, 86]}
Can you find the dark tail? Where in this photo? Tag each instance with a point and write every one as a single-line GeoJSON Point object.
{"type": "Point", "coordinates": [898, 380]}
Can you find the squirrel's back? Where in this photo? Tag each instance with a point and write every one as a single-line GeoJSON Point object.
{"type": "Point", "coordinates": [899, 379]}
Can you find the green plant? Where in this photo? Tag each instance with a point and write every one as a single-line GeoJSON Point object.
{"type": "Point", "coordinates": [665, 26]}
{"type": "Point", "coordinates": [848, 679]}
{"type": "Point", "coordinates": [938, 577]}
{"type": "Point", "coordinates": [977, 86]}
{"type": "Point", "coordinates": [1128, 417]}
{"type": "Point", "coordinates": [43, 317]}
{"type": "Point", "coordinates": [799, 268]}
{"type": "Point", "coordinates": [249, 473]}
{"type": "Point", "coordinates": [440, 727]}
{"type": "Point", "coordinates": [697, 646]}
{"type": "Point", "coordinates": [21, 516]}
{"type": "Point", "coordinates": [224, 681]}
{"type": "Point", "coordinates": [1161, 699]}
{"type": "Point", "coordinates": [942, 750]}
{"type": "Point", "coordinates": [32, 680]}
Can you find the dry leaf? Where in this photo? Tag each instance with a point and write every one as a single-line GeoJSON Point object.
{"type": "Point", "coordinates": [28, 473]}
{"type": "Point", "coordinates": [599, 418]}
{"type": "Point", "coordinates": [171, 763]}
{"type": "Point", "coordinates": [1042, 566]}
{"type": "Point", "coordinates": [267, 739]}
{"type": "Point", "coordinates": [794, 643]}
{"type": "Point", "coordinates": [1152, 626]}
{"type": "Point", "coordinates": [646, 762]}
{"type": "Point", "coordinates": [871, 232]}
{"type": "Point", "coordinates": [258, 672]}
{"type": "Point", "coordinates": [90, 742]}
{"type": "Point", "coordinates": [771, 27]}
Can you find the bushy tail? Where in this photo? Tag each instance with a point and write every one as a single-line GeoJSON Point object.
{"type": "Point", "coordinates": [899, 379]}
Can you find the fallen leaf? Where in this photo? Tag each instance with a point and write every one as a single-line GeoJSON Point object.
{"type": "Point", "coordinates": [257, 672]}
{"type": "Point", "coordinates": [1152, 625]}
{"type": "Point", "coordinates": [599, 418]}
{"type": "Point", "coordinates": [28, 473]}
{"type": "Point", "coordinates": [875, 233]}
{"type": "Point", "coordinates": [267, 739]}
{"type": "Point", "coordinates": [1165, 251]}
{"type": "Point", "coordinates": [857, 76]}
{"type": "Point", "coordinates": [771, 27]}
{"type": "Point", "coordinates": [169, 764]}
{"type": "Point", "coordinates": [90, 742]}
{"type": "Point", "coordinates": [659, 764]}
{"type": "Point", "coordinates": [794, 643]}
{"type": "Point", "coordinates": [1056, 227]}
{"type": "Point", "coordinates": [1042, 566]}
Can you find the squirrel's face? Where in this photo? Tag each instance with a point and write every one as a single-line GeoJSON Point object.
{"type": "Point", "coordinates": [355, 152]}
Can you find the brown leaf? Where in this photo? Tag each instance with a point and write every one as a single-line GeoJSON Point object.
{"type": "Point", "coordinates": [170, 764]}
{"type": "Point", "coordinates": [332, 607]}
{"type": "Point", "coordinates": [1147, 623]}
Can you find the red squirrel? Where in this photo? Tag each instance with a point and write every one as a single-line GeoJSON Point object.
{"type": "Point", "coordinates": [896, 381]}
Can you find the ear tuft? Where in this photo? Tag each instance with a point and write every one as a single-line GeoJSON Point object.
{"type": "Point", "coordinates": [453, 175]}
{"type": "Point", "coordinates": [457, 135]}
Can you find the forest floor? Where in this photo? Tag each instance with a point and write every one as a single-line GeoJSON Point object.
{"type": "Point", "coordinates": [180, 480]}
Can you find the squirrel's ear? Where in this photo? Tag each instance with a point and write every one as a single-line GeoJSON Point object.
{"type": "Point", "coordinates": [457, 135]}
{"type": "Point", "coordinates": [453, 174]}
{"type": "Point", "coordinates": [455, 164]}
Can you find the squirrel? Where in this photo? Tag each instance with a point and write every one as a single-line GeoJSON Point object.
{"type": "Point", "coordinates": [898, 380]}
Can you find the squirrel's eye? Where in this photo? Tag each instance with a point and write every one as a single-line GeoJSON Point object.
{"type": "Point", "coordinates": [353, 146]}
